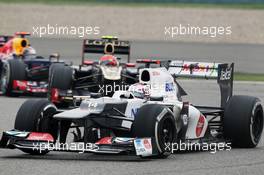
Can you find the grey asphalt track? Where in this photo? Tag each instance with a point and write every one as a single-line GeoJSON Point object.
{"type": "Point", "coordinates": [247, 57]}
{"type": "Point", "coordinates": [236, 161]}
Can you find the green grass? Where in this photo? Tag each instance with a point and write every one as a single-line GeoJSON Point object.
{"type": "Point", "coordinates": [239, 76]}
{"type": "Point", "coordinates": [142, 4]}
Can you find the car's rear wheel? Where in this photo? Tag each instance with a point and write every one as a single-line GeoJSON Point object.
{"type": "Point", "coordinates": [52, 67]}
{"type": "Point", "coordinates": [37, 116]}
{"type": "Point", "coordinates": [156, 121]}
{"type": "Point", "coordinates": [243, 121]}
{"type": "Point", "coordinates": [13, 69]}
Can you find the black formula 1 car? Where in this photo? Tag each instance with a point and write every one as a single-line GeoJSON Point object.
{"type": "Point", "coordinates": [21, 70]}
{"type": "Point", "coordinates": [101, 76]}
{"type": "Point", "coordinates": [147, 120]}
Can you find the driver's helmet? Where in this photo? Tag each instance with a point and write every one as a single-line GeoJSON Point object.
{"type": "Point", "coordinates": [140, 90]}
{"type": "Point", "coordinates": [29, 51]}
{"type": "Point", "coordinates": [108, 60]}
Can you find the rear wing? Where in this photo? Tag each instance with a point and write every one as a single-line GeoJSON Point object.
{"type": "Point", "coordinates": [148, 62]}
{"type": "Point", "coordinates": [106, 46]}
{"type": "Point", "coordinates": [222, 72]}
{"type": "Point", "coordinates": [4, 39]}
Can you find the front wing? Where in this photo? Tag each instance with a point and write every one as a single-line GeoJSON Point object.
{"type": "Point", "coordinates": [43, 142]}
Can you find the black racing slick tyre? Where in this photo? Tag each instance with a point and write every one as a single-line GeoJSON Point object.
{"type": "Point", "coordinates": [13, 69]}
{"type": "Point", "coordinates": [156, 121]}
{"type": "Point", "coordinates": [60, 78]}
{"type": "Point", "coordinates": [51, 68]}
{"type": "Point", "coordinates": [243, 121]}
{"type": "Point", "coordinates": [37, 116]}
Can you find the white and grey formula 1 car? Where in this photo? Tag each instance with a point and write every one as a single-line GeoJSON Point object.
{"type": "Point", "coordinates": [143, 121]}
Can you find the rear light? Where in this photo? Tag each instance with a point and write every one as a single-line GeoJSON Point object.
{"type": "Point", "coordinates": [55, 95]}
{"type": "Point", "coordinates": [130, 65]}
{"type": "Point", "coordinates": [88, 62]}
{"type": "Point", "coordinates": [200, 125]}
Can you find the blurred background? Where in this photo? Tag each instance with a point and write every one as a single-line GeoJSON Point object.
{"type": "Point", "coordinates": [144, 22]}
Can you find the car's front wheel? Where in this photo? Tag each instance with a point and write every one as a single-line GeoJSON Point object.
{"type": "Point", "coordinates": [156, 121]}
{"type": "Point", "coordinates": [37, 116]}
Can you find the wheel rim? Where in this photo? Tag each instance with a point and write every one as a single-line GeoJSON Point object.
{"type": "Point", "coordinates": [5, 78]}
{"type": "Point", "coordinates": [167, 133]}
{"type": "Point", "coordinates": [256, 125]}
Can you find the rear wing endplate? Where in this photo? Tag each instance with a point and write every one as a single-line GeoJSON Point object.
{"type": "Point", "coordinates": [222, 72]}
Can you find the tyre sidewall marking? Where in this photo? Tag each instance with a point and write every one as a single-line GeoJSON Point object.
{"type": "Point", "coordinates": [251, 123]}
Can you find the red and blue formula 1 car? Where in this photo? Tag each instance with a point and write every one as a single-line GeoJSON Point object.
{"type": "Point", "coordinates": [21, 70]}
